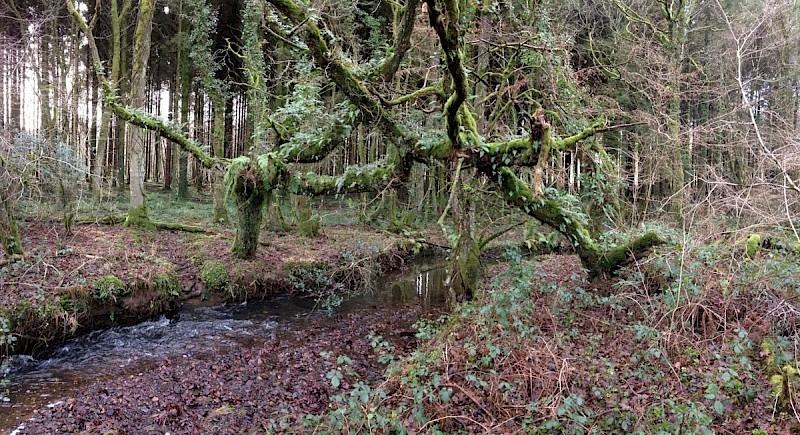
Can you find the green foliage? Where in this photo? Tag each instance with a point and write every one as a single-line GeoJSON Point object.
{"type": "Point", "coordinates": [783, 372]}
{"type": "Point", "coordinates": [304, 105]}
{"type": "Point", "coordinates": [214, 276]}
{"type": "Point", "coordinates": [203, 25]}
{"type": "Point", "coordinates": [400, 221]}
{"type": "Point", "coordinates": [108, 289]}
{"type": "Point", "coordinates": [7, 340]}
{"type": "Point", "coordinates": [538, 241]}
{"type": "Point", "coordinates": [752, 245]}
{"type": "Point", "coordinates": [316, 279]}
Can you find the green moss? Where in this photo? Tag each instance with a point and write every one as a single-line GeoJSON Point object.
{"type": "Point", "coordinates": [249, 183]}
{"type": "Point", "coordinates": [468, 264]}
{"type": "Point", "coordinates": [616, 256]}
{"type": "Point", "coordinates": [167, 285]}
{"type": "Point", "coordinates": [214, 276]}
{"type": "Point", "coordinates": [137, 217]}
{"type": "Point", "coordinates": [372, 177]}
{"type": "Point", "coordinates": [783, 379]}
{"type": "Point", "coordinates": [308, 223]}
{"type": "Point", "coordinates": [752, 245]}
{"type": "Point", "coordinates": [108, 288]}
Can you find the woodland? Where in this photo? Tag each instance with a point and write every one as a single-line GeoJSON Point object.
{"type": "Point", "coordinates": [612, 185]}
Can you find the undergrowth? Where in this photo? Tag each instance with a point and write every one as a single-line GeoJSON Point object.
{"type": "Point", "coordinates": [7, 340]}
{"type": "Point", "coordinates": [699, 339]}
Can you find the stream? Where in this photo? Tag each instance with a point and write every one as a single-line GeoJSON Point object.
{"type": "Point", "coordinates": [197, 328]}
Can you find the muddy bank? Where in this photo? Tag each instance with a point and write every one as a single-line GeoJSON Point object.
{"type": "Point", "coordinates": [106, 275]}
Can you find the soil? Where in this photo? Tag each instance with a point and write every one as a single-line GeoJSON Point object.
{"type": "Point", "coordinates": [56, 262]}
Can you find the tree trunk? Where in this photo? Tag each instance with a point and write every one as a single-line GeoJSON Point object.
{"type": "Point", "coordinates": [15, 109]}
{"type": "Point", "coordinates": [137, 210]}
{"type": "Point", "coordinates": [249, 191]}
{"type": "Point", "coordinates": [45, 86]}
{"type": "Point", "coordinates": [183, 86]}
{"type": "Point", "coordinates": [9, 231]}
{"type": "Point", "coordinates": [464, 266]}
{"type": "Point", "coordinates": [220, 136]}
{"type": "Point", "coordinates": [9, 190]}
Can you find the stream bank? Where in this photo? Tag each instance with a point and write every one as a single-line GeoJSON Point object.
{"type": "Point", "coordinates": [219, 368]}
{"type": "Point", "coordinates": [103, 276]}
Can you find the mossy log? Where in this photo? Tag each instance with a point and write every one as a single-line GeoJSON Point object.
{"type": "Point", "coordinates": [110, 219]}
{"type": "Point", "coordinates": [119, 219]}
{"type": "Point", "coordinates": [173, 226]}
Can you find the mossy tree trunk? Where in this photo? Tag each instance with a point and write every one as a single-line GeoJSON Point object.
{"type": "Point", "coordinates": [9, 231]}
{"type": "Point", "coordinates": [103, 141]}
{"type": "Point", "coordinates": [9, 190]}
{"type": "Point", "coordinates": [464, 266]}
{"type": "Point", "coordinates": [248, 188]}
{"type": "Point", "coordinates": [137, 210]}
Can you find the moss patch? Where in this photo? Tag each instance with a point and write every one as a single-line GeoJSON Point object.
{"type": "Point", "coordinates": [214, 276]}
{"type": "Point", "coordinates": [137, 217]}
{"type": "Point", "coordinates": [109, 288]}
{"type": "Point", "coordinates": [752, 245]}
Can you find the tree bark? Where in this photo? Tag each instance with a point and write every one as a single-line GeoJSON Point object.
{"type": "Point", "coordinates": [137, 210]}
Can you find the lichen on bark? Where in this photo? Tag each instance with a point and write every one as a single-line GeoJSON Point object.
{"type": "Point", "coordinates": [248, 182]}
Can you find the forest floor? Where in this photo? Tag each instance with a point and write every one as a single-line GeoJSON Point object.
{"type": "Point", "coordinates": [696, 338]}
{"type": "Point", "coordinates": [546, 350]}
{"type": "Point", "coordinates": [238, 391]}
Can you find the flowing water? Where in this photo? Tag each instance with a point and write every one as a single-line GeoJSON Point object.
{"type": "Point", "coordinates": [123, 351]}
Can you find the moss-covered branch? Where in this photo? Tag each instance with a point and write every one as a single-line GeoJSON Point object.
{"type": "Point", "coordinates": [330, 60]}
{"type": "Point", "coordinates": [445, 19]}
{"type": "Point", "coordinates": [134, 116]}
{"type": "Point", "coordinates": [550, 211]}
{"type": "Point", "coordinates": [402, 40]}
{"type": "Point", "coordinates": [369, 178]}
{"type": "Point", "coordinates": [428, 90]}
{"type": "Point", "coordinates": [318, 146]}
{"type": "Point", "coordinates": [165, 129]}
{"type": "Point", "coordinates": [569, 142]}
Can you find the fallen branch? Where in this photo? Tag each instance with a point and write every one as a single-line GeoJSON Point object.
{"type": "Point", "coordinates": [179, 227]}
{"type": "Point", "coordinates": [104, 220]}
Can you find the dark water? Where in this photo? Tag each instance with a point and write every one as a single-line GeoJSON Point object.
{"type": "Point", "coordinates": [129, 350]}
